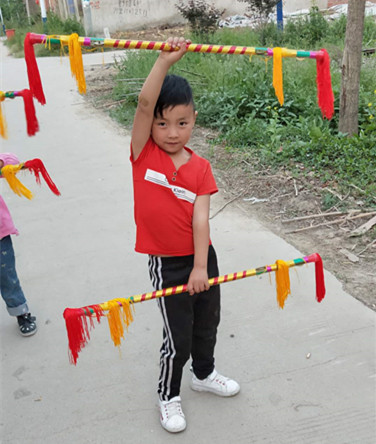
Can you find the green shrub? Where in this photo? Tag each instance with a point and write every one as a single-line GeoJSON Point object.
{"type": "Point", "coordinates": [202, 16]}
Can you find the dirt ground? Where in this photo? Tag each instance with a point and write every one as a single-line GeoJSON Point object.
{"type": "Point", "coordinates": [288, 205]}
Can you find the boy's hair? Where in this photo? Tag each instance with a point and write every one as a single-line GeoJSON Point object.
{"type": "Point", "coordinates": [175, 91]}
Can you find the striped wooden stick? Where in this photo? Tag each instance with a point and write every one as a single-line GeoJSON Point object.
{"type": "Point", "coordinates": [163, 46]}
{"type": "Point", "coordinates": [119, 312]}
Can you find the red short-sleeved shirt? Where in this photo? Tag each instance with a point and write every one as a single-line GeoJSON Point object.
{"type": "Point", "coordinates": [164, 199]}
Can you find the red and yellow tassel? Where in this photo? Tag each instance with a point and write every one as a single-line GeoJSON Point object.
{"type": "Point", "coordinates": [32, 70]}
{"type": "Point", "coordinates": [278, 75]}
{"type": "Point", "coordinates": [324, 85]}
{"type": "Point", "coordinates": [37, 167]}
{"type": "Point", "coordinates": [76, 63]}
{"type": "Point", "coordinates": [3, 124]}
{"type": "Point", "coordinates": [9, 173]}
{"type": "Point", "coordinates": [78, 328]}
{"type": "Point", "coordinates": [31, 118]}
{"type": "Point", "coordinates": [282, 278]}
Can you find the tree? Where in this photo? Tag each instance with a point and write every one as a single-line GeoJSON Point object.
{"type": "Point", "coordinates": [351, 65]}
{"type": "Point", "coordinates": [262, 7]}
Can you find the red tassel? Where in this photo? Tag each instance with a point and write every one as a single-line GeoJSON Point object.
{"type": "Point", "coordinates": [324, 85]}
{"type": "Point", "coordinates": [31, 118]}
{"type": "Point", "coordinates": [33, 71]}
{"type": "Point", "coordinates": [319, 274]}
{"type": "Point", "coordinates": [37, 167]}
{"type": "Point", "coordinates": [78, 328]}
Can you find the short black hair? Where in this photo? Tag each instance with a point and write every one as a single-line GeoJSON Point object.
{"type": "Point", "coordinates": [175, 90]}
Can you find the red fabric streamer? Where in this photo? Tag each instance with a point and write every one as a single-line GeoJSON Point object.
{"type": "Point", "coordinates": [324, 85]}
{"type": "Point", "coordinates": [37, 167]}
{"type": "Point", "coordinates": [33, 71]}
{"type": "Point", "coordinates": [78, 328]}
{"type": "Point", "coordinates": [31, 118]}
{"type": "Point", "coordinates": [319, 274]}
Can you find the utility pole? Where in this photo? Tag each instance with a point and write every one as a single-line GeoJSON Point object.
{"type": "Point", "coordinates": [280, 15]}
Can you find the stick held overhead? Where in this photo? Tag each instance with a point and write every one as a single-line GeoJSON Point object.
{"type": "Point", "coordinates": [325, 93]}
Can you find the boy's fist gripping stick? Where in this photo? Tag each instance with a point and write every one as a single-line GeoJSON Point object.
{"type": "Point", "coordinates": [119, 313]}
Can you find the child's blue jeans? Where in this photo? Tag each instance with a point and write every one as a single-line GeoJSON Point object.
{"type": "Point", "coordinates": [10, 287]}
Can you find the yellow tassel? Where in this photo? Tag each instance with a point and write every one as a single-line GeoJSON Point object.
{"type": "Point", "coordinates": [277, 75]}
{"type": "Point", "coordinates": [119, 316]}
{"type": "Point", "coordinates": [9, 173]}
{"type": "Point", "coordinates": [3, 124]}
{"type": "Point", "coordinates": [282, 279]}
{"type": "Point", "coordinates": [76, 63]}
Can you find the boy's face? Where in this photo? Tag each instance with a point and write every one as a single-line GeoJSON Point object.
{"type": "Point", "coordinates": [172, 131]}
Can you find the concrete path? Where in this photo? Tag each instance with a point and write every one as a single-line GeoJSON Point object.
{"type": "Point", "coordinates": [307, 372]}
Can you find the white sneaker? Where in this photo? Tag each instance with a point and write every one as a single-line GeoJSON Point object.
{"type": "Point", "coordinates": [215, 383]}
{"type": "Point", "coordinates": [172, 416]}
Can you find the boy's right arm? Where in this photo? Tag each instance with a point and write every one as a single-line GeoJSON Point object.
{"type": "Point", "coordinates": [149, 94]}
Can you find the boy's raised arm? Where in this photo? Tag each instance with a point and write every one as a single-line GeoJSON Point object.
{"type": "Point", "coordinates": [143, 119]}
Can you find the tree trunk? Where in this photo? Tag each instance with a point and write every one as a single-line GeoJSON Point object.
{"type": "Point", "coordinates": [351, 64]}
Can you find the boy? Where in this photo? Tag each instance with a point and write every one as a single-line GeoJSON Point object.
{"type": "Point", "coordinates": [172, 188]}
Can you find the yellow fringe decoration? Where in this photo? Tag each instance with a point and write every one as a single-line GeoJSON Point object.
{"type": "Point", "coordinates": [76, 63]}
{"type": "Point", "coordinates": [119, 316]}
{"type": "Point", "coordinates": [282, 279]}
{"type": "Point", "coordinates": [278, 75]}
{"type": "Point", "coordinates": [3, 123]}
{"type": "Point", "coordinates": [9, 173]}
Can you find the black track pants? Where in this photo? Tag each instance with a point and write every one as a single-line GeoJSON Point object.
{"type": "Point", "coordinates": [190, 322]}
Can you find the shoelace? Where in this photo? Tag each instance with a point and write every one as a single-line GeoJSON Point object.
{"type": "Point", "coordinates": [173, 408]}
{"type": "Point", "coordinates": [222, 380]}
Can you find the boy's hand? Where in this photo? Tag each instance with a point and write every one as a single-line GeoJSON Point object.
{"type": "Point", "coordinates": [175, 42]}
{"type": "Point", "coordinates": [198, 281]}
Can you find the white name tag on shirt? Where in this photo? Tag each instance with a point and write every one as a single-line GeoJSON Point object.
{"type": "Point", "coordinates": [161, 179]}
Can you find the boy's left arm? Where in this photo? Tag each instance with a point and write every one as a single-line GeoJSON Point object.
{"type": "Point", "coordinates": [198, 279]}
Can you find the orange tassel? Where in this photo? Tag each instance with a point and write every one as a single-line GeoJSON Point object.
{"type": "Point", "coordinates": [119, 316]}
{"type": "Point", "coordinates": [282, 282]}
{"type": "Point", "coordinates": [9, 173]}
{"type": "Point", "coordinates": [33, 71]}
{"type": "Point", "coordinates": [31, 118]}
{"type": "Point", "coordinates": [3, 124]}
{"type": "Point", "coordinates": [278, 75]}
{"type": "Point", "coordinates": [76, 63]}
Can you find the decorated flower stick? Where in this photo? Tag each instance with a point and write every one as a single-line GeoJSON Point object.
{"type": "Point", "coordinates": [74, 42]}
{"type": "Point", "coordinates": [118, 311]}
{"type": "Point", "coordinates": [31, 119]}
{"type": "Point", "coordinates": [36, 167]}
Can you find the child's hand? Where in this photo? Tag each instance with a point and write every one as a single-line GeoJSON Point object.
{"type": "Point", "coordinates": [175, 42]}
{"type": "Point", "coordinates": [198, 281]}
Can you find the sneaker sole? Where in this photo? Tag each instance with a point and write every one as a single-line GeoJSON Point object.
{"type": "Point", "coordinates": [202, 389]}
{"type": "Point", "coordinates": [30, 333]}
{"type": "Point", "coordinates": [173, 431]}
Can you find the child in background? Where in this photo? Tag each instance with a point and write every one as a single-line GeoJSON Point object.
{"type": "Point", "coordinates": [10, 287]}
{"type": "Point", "coordinates": [172, 188]}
